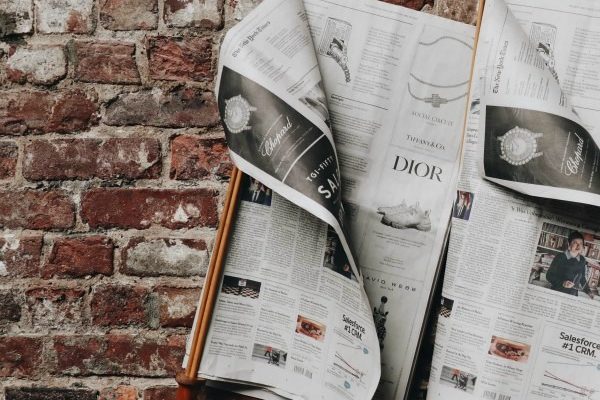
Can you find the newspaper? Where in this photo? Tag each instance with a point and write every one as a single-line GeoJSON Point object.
{"type": "Point", "coordinates": [347, 119]}
{"type": "Point", "coordinates": [518, 317]}
{"type": "Point", "coordinates": [540, 100]}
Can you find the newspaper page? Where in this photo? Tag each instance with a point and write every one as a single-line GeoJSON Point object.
{"type": "Point", "coordinates": [271, 99]}
{"type": "Point", "coordinates": [540, 98]}
{"type": "Point", "coordinates": [397, 106]}
{"type": "Point", "coordinates": [289, 315]}
{"type": "Point", "coordinates": [292, 314]}
{"type": "Point", "coordinates": [518, 317]}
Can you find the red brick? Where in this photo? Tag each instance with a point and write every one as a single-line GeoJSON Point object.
{"type": "Point", "coordinates": [179, 108]}
{"type": "Point", "coordinates": [20, 356]}
{"type": "Point", "coordinates": [114, 305]}
{"type": "Point", "coordinates": [9, 153]}
{"type": "Point", "coordinates": [142, 208]}
{"type": "Point", "coordinates": [43, 65]}
{"type": "Point", "coordinates": [121, 392]}
{"type": "Point", "coordinates": [180, 59]}
{"type": "Point", "coordinates": [10, 309]}
{"type": "Point", "coordinates": [79, 257]}
{"type": "Point", "coordinates": [193, 157]}
{"type": "Point", "coordinates": [23, 112]}
{"type": "Point", "coordinates": [112, 354]}
{"type": "Point", "coordinates": [30, 209]}
{"type": "Point", "coordinates": [160, 393]}
{"type": "Point", "coordinates": [58, 159]}
{"type": "Point", "coordinates": [123, 15]}
{"type": "Point", "coordinates": [55, 307]}
{"type": "Point", "coordinates": [106, 62]}
{"type": "Point", "coordinates": [41, 393]}
{"type": "Point", "coordinates": [20, 256]}
{"type": "Point", "coordinates": [164, 257]}
{"type": "Point", "coordinates": [177, 305]}
{"type": "Point", "coordinates": [64, 16]}
{"type": "Point", "coordinates": [189, 13]}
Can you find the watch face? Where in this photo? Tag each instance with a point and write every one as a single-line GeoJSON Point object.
{"type": "Point", "coordinates": [518, 146]}
{"type": "Point", "coordinates": [237, 114]}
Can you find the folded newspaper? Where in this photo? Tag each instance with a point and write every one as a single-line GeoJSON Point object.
{"type": "Point", "coordinates": [348, 120]}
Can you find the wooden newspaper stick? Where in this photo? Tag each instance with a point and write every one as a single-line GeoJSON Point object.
{"type": "Point", "coordinates": [188, 379]}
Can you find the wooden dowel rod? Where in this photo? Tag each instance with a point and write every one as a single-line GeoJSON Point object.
{"type": "Point", "coordinates": [211, 297]}
{"type": "Point", "coordinates": [191, 370]}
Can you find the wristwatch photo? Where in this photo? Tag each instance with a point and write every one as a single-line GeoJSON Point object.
{"type": "Point", "coordinates": [237, 114]}
{"type": "Point", "coordinates": [518, 146]}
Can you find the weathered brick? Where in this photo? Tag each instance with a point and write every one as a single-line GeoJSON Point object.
{"type": "Point", "coordinates": [180, 59]}
{"type": "Point", "coordinates": [187, 13]}
{"type": "Point", "coordinates": [10, 309]}
{"type": "Point", "coordinates": [180, 108]}
{"type": "Point", "coordinates": [55, 307]}
{"type": "Point", "coordinates": [177, 305]}
{"type": "Point", "coordinates": [20, 356]}
{"type": "Point", "coordinates": [160, 393]}
{"type": "Point", "coordinates": [235, 10]}
{"type": "Point", "coordinates": [164, 257]}
{"type": "Point", "coordinates": [64, 16]}
{"type": "Point", "coordinates": [121, 392]}
{"type": "Point", "coordinates": [414, 4]}
{"type": "Point", "coordinates": [142, 208]}
{"type": "Point", "coordinates": [9, 153]}
{"type": "Point", "coordinates": [123, 15]}
{"type": "Point", "coordinates": [27, 111]}
{"type": "Point", "coordinates": [193, 157]}
{"type": "Point", "coordinates": [16, 17]}
{"type": "Point", "coordinates": [106, 62]}
{"type": "Point", "coordinates": [35, 393]}
{"type": "Point", "coordinates": [30, 209]}
{"type": "Point", "coordinates": [458, 10]}
{"type": "Point", "coordinates": [20, 256]}
{"type": "Point", "coordinates": [58, 159]}
{"type": "Point", "coordinates": [115, 305]}
{"type": "Point", "coordinates": [113, 354]}
{"type": "Point", "coordinates": [76, 257]}
{"type": "Point", "coordinates": [43, 65]}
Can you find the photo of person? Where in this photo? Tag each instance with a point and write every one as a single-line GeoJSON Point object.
{"type": "Point", "coordinates": [567, 261]}
{"type": "Point", "coordinates": [335, 257]}
{"type": "Point", "coordinates": [255, 192]}
{"type": "Point", "coordinates": [240, 287]}
{"type": "Point", "coordinates": [269, 355]}
{"type": "Point", "coordinates": [509, 349]}
{"type": "Point", "coordinates": [310, 328]}
{"type": "Point", "coordinates": [463, 205]}
{"type": "Point", "coordinates": [458, 379]}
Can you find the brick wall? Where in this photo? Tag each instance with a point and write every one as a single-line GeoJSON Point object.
{"type": "Point", "coordinates": [113, 168]}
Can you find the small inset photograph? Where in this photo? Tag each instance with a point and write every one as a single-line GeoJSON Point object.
{"type": "Point", "coordinates": [335, 257]}
{"type": "Point", "coordinates": [380, 315]}
{"type": "Point", "coordinates": [269, 355]}
{"type": "Point", "coordinates": [308, 327]}
{"type": "Point", "coordinates": [446, 305]}
{"type": "Point", "coordinates": [567, 261]}
{"type": "Point", "coordinates": [240, 287]}
{"type": "Point", "coordinates": [509, 349]}
{"type": "Point", "coordinates": [254, 191]}
{"type": "Point", "coordinates": [463, 205]}
{"type": "Point", "coordinates": [458, 379]}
